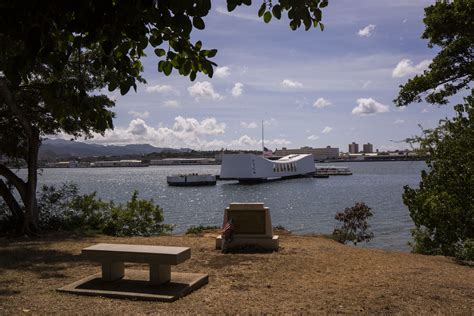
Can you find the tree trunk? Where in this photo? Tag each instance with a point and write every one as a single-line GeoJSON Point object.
{"type": "Point", "coordinates": [17, 213]}
{"type": "Point", "coordinates": [30, 225]}
{"type": "Point", "coordinates": [10, 199]}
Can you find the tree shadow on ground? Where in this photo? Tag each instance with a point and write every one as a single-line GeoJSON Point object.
{"type": "Point", "coordinates": [46, 262]}
{"type": "Point", "coordinates": [5, 291]}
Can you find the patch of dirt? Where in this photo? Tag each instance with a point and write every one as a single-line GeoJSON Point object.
{"type": "Point", "coordinates": [308, 275]}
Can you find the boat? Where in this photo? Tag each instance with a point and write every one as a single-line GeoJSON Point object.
{"type": "Point", "coordinates": [193, 179]}
{"type": "Point", "coordinates": [250, 168]}
{"type": "Point", "coordinates": [332, 171]}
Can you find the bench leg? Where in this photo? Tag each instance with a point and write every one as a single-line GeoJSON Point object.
{"type": "Point", "coordinates": [112, 271]}
{"type": "Point", "coordinates": [160, 273]}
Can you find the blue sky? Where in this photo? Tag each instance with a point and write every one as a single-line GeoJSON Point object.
{"type": "Point", "coordinates": [311, 88]}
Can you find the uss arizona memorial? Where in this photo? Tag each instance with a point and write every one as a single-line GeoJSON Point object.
{"type": "Point", "coordinates": [253, 168]}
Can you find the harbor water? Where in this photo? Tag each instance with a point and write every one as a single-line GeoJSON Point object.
{"type": "Point", "coordinates": [304, 205]}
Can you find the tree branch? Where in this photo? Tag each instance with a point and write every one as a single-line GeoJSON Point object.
{"type": "Point", "coordinates": [7, 96]}
{"type": "Point", "coordinates": [17, 182]}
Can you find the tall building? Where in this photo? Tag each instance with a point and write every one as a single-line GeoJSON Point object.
{"type": "Point", "coordinates": [368, 148]}
{"type": "Point", "coordinates": [318, 153]}
{"type": "Point", "coordinates": [353, 148]}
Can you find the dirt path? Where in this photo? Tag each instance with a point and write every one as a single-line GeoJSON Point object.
{"type": "Point", "coordinates": [308, 275]}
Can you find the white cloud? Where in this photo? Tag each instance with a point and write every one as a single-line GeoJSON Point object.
{"type": "Point", "coordinates": [237, 89]}
{"type": "Point", "coordinates": [327, 130]}
{"type": "Point", "coordinates": [405, 67]}
{"type": "Point", "coordinates": [366, 84]}
{"type": "Point", "coordinates": [321, 103]}
{"type": "Point", "coordinates": [171, 103]}
{"type": "Point", "coordinates": [313, 137]}
{"type": "Point", "coordinates": [366, 31]}
{"type": "Point", "coordinates": [137, 114]}
{"type": "Point", "coordinates": [368, 106]}
{"type": "Point", "coordinates": [401, 108]}
{"type": "Point", "coordinates": [222, 72]}
{"type": "Point", "coordinates": [399, 122]}
{"type": "Point", "coordinates": [203, 90]}
{"type": "Point", "coordinates": [287, 83]}
{"type": "Point", "coordinates": [164, 89]}
{"type": "Point", "coordinates": [247, 142]}
{"type": "Point", "coordinates": [271, 122]}
{"type": "Point", "coordinates": [251, 17]}
{"type": "Point", "coordinates": [404, 20]}
{"type": "Point", "coordinates": [248, 125]}
{"type": "Point", "coordinates": [185, 132]}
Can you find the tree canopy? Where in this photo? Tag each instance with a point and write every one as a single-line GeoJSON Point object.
{"type": "Point", "coordinates": [442, 207]}
{"type": "Point", "coordinates": [56, 57]}
{"type": "Point", "coordinates": [449, 26]}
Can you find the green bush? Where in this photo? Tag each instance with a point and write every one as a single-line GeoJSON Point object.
{"type": "Point", "coordinates": [63, 208]}
{"type": "Point", "coordinates": [465, 250]}
{"type": "Point", "coordinates": [136, 218]}
{"type": "Point", "coordinates": [196, 230]}
{"type": "Point", "coordinates": [442, 206]}
{"type": "Point", "coordinates": [354, 227]}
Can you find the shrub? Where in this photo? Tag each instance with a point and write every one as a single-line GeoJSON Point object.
{"type": "Point", "coordinates": [442, 206]}
{"type": "Point", "coordinates": [63, 208]}
{"type": "Point", "coordinates": [200, 229]}
{"type": "Point", "coordinates": [465, 250]}
{"type": "Point", "coordinates": [136, 218]}
{"type": "Point", "coordinates": [354, 224]}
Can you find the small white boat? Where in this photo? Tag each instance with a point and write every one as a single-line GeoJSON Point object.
{"type": "Point", "coordinates": [332, 171]}
{"type": "Point", "coordinates": [192, 179]}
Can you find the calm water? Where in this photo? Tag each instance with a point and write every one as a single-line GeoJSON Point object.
{"type": "Point", "coordinates": [301, 205]}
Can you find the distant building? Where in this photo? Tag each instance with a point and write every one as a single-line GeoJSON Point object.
{"type": "Point", "coordinates": [184, 161]}
{"type": "Point", "coordinates": [119, 163]}
{"type": "Point", "coordinates": [318, 153]}
{"type": "Point", "coordinates": [368, 148]}
{"type": "Point", "coordinates": [354, 148]}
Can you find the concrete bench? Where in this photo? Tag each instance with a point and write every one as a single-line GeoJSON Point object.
{"type": "Point", "coordinates": [159, 258]}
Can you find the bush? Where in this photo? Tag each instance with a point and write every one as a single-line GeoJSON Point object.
{"type": "Point", "coordinates": [442, 206]}
{"type": "Point", "coordinates": [63, 208]}
{"type": "Point", "coordinates": [465, 250]}
{"type": "Point", "coordinates": [354, 224]}
{"type": "Point", "coordinates": [136, 218]}
{"type": "Point", "coordinates": [200, 229]}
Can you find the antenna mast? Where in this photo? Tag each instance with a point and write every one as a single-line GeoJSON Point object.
{"type": "Point", "coordinates": [263, 140]}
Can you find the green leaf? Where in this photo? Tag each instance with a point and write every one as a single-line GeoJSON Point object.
{"type": "Point", "coordinates": [321, 26]}
{"type": "Point", "coordinates": [262, 9]}
{"type": "Point", "coordinates": [198, 23]}
{"type": "Point", "coordinates": [160, 52]}
{"type": "Point", "coordinates": [124, 88]}
{"type": "Point", "coordinates": [192, 76]}
{"type": "Point", "coordinates": [231, 4]}
{"type": "Point", "coordinates": [198, 45]}
{"type": "Point", "coordinates": [276, 10]}
{"type": "Point", "coordinates": [267, 17]}
{"type": "Point", "coordinates": [324, 4]}
{"type": "Point", "coordinates": [211, 53]}
{"type": "Point", "coordinates": [167, 68]}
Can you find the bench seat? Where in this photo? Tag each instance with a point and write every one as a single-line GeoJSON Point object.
{"type": "Point", "coordinates": [159, 258]}
{"type": "Point", "coordinates": [137, 253]}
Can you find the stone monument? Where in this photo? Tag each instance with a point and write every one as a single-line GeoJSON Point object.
{"type": "Point", "coordinates": [252, 226]}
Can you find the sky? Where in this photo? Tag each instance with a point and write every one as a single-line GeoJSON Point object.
{"type": "Point", "coordinates": [310, 88]}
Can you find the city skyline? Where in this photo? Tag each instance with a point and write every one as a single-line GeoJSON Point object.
{"type": "Point", "coordinates": [310, 88]}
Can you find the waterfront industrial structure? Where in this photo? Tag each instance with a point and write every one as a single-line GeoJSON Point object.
{"type": "Point", "coordinates": [318, 153]}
